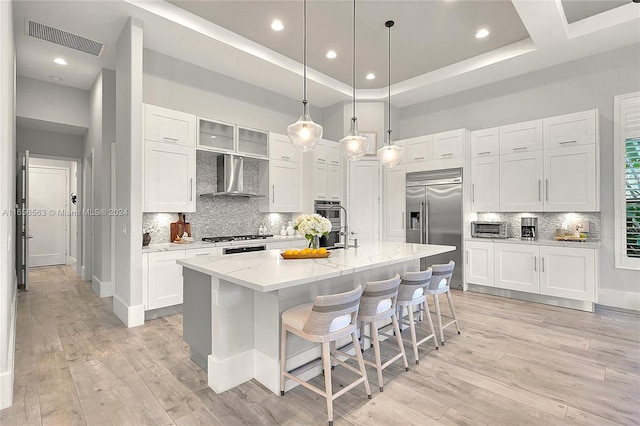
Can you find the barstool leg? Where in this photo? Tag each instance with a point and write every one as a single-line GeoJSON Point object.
{"type": "Point", "coordinates": [453, 310]}
{"type": "Point", "coordinates": [326, 359]}
{"type": "Point", "coordinates": [396, 329]}
{"type": "Point", "coordinates": [433, 331]}
{"type": "Point", "coordinates": [376, 351]}
{"type": "Point", "coordinates": [363, 370]}
{"type": "Point", "coordinates": [283, 357]}
{"type": "Point", "coordinates": [435, 298]}
{"type": "Point", "coordinates": [412, 328]}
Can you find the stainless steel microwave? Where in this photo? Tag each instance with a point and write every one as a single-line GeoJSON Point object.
{"type": "Point", "coordinates": [489, 230]}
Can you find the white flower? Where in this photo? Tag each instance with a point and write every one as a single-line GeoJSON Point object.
{"type": "Point", "coordinates": [311, 225]}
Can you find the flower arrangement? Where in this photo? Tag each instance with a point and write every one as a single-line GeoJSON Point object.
{"type": "Point", "coordinates": [311, 226]}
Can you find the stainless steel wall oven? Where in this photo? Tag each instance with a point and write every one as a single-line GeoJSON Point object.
{"type": "Point", "coordinates": [332, 211]}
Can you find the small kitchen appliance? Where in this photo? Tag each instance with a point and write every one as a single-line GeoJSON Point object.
{"type": "Point", "coordinates": [529, 228]}
{"type": "Point", "coordinates": [481, 229]}
{"type": "Point", "coordinates": [331, 210]}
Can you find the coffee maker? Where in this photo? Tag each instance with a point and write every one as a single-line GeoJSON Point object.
{"type": "Point", "coordinates": [529, 228]}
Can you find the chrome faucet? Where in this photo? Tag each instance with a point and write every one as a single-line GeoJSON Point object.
{"type": "Point", "coordinates": [345, 232]}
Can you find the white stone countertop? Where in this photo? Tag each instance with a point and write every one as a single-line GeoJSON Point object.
{"type": "Point", "coordinates": [152, 248]}
{"type": "Point", "coordinates": [266, 271]}
{"type": "Point", "coordinates": [554, 243]}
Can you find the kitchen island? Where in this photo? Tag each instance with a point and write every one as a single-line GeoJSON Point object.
{"type": "Point", "coordinates": [232, 304]}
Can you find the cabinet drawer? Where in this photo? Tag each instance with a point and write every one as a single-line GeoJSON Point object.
{"type": "Point", "coordinates": [212, 251]}
{"type": "Point", "coordinates": [521, 137]}
{"type": "Point", "coordinates": [169, 126]}
{"type": "Point", "coordinates": [569, 130]}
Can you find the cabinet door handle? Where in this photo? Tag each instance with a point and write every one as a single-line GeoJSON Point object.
{"type": "Point", "coordinates": [284, 157]}
{"type": "Point", "coordinates": [566, 142]}
{"type": "Point", "coordinates": [535, 263]}
{"type": "Point", "coordinates": [190, 189]}
{"type": "Point", "coordinates": [447, 154]}
{"type": "Point", "coordinates": [418, 158]}
{"type": "Point", "coordinates": [322, 159]}
{"type": "Point", "coordinates": [473, 192]}
{"type": "Point", "coordinates": [484, 152]}
{"type": "Point", "coordinates": [167, 138]}
{"type": "Point", "coordinates": [402, 220]}
{"type": "Point", "coordinates": [542, 263]}
{"type": "Point", "coordinates": [546, 189]}
{"type": "Point", "coordinates": [273, 193]}
{"type": "Point", "coordinates": [520, 148]}
{"type": "Point", "coordinates": [539, 186]}
{"type": "Point", "coordinates": [467, 256]}
{"type": "Point", "coordinates": [203, 254]}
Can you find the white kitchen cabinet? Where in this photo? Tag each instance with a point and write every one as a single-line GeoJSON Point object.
{"type": "Point", "coordinates": [228, 138]}
{"type": "Point", "coordinates": [417, 149]}
{"type": "Point", "coordinates": [279, 182]}
{"type": "Point", "coordinates": [395, 202]}
{"type": "Point", "coordinates": [281, 148]}
{"type": "Point", "coordinates": [334, 182]}
{"type": "Point", "coordinates": [321, 152]}
{"type": "Point", "coordinates": [164, 279]}
{"type": "Point", "coordinates": [579, 128]}
{"type": "Point", "coordinates": [449, 144]}
{"type": "Point", "coordinates": [568, 272]}
{"type": "Point", "coordinates": [516, 267]}
{"type": "Point", "coordinates": [485, 142]}
{"type": "Point", "coordinates": [570, 179]}
{"type": "Point", "coordinates": [320, 181]}
{"type": "Point", "coordinates": [480, 263]}
{"type": "Point", "coordinates": [327, 171]}
{"type": "Point", "coordinates": [169, 126]}
{"type": "Point", "coordinates": [521, 178]}
{"type": "Point", "coordinates": [485, 184]}
{"type": "Point", "coordinates": [334, 154]}
{"type": "Point", "coordinates": [521, 137]}
{"type": "Point", "coordinates": [209, 251]}
{"type": "Point", "coordinates": [169, 177]}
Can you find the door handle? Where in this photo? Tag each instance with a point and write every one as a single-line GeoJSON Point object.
{"type": "Point", "coordinates": [535, 263]}
{"type": "Point", "coordinates": [473, 192]}
{"type": "Point", "coordinates": [546, 189]}
{"type": "Point", "coordinates": [190, 189]}
{"type": "Point", "coordinates": [519, 148]}
{"type": "Point", "coordinates": [403, 220]}
{"type": "Point", "coordinates": [420, 221]}
{"type": "Point", "coordinates": [166, 138]}
{"type": "Point", "coordinates": [542, 263]}
{"type": "Point", "coordinates": [566, 142]}
{"type": "Point", "coordinates": [273, 193]}
{"type": "Point", "coordinates": [539, 186]}
{"type": "Point", "coordinates": [467, 256]}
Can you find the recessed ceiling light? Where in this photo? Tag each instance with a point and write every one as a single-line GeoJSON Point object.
{"type": "Point", "coordinates": [60, 61]}
{"type": "Point", "coordinates": [331, 54]}
{"type": "Point", "coordinates": [371, 76]}
{"type": "Point", "coordinates": [276, 25]}
{"type": "Point", "coordinates": [55, 78]}
{"type": "Point", "coordinates": [482, 33]}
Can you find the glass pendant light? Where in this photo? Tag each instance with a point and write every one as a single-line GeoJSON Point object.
{"type": "Point", "coordinates": [354, 145]}
{"type": "Point", "coordinates": [304, 134]}
{"type": "Point", "coordinates": [389, 155]}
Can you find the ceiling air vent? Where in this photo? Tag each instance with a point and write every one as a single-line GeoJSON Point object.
{"type": "Point", "coordinates": [64, 38]}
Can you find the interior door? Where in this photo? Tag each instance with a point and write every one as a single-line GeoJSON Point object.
{"type": "Point", "coordinates": [47, 226]}
{"type": "Point", "coordinates": [22, 220]}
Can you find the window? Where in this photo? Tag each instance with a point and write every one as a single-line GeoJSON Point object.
{"type": "Point", "coordinates": [627, 180]}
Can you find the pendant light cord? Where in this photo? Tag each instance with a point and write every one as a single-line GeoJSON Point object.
{"type": "Point", "coordinates": [353, 80]}
{"type": "Point", "coordinates": [389, 87]}
{"type": "Point", "coordinates": [304, 50]}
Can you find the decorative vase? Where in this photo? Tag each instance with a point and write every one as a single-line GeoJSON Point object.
{"type": "Point", "coordinates": [146, 239]}
{"type": "Point", "coordinates": [314, 242]}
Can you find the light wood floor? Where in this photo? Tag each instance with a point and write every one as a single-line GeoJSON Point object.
{"type": "Point", "coordinates": [515, 363]}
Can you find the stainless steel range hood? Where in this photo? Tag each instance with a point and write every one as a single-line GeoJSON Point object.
{"type": "Point", "coordinates": [230, 178]}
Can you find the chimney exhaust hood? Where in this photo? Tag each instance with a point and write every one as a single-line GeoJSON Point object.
{"type": "Point", "coordinates": [230, 178]}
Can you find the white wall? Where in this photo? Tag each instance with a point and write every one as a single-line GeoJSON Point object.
{"type": "Point", "coordinates": [579, 85]}
{"type": "Point", "coordinates": [52, 102]}
{"type": "Point", "coordinates": [8, 292]}
{"type": "Point", "coordinates": [171, 83]}
{"type": "Point", "coordinates": [127, 301]}
{"type": "Point", "coordinates": [43, 142]}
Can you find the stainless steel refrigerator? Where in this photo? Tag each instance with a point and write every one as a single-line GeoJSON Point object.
{"type": "Point", "coordinates": [434, 215]}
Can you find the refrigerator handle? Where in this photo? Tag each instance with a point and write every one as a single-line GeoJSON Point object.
{"type": "Point", "coordinates": [420, 221]}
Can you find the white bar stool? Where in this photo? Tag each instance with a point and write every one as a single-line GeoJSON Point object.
{"type": "Point", "coordinates": [378, 303]}
{"type": "Point", "coordinates": [328, 319]}
{"type": "Point", "coordinates": [411, 294]}
{"type": "Point", "coordinates": [440, 283]}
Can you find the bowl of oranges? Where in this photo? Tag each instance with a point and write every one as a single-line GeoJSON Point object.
{"type": "Point", "coordinates": [305, 253]}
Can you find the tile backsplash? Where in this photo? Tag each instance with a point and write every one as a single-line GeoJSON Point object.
{"type": "Point", "coordinates": [547, 222]}
{"type": "Point", "coordinates": [218, 216]}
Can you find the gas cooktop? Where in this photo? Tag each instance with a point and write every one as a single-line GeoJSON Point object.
{"type": "Point", "coordinates": [236, 238]}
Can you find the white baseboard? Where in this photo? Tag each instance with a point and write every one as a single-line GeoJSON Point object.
{"type": "Point", "coordinates": [131, 316]}
{"type": "Point", "coordinates": [6, 377]}
{"type": "Point", "coordinates": [102, 289]}
{"type": "Point", "coordinates": [231, 372]}
{"type": "Point", "coordinates": [619, 299]}
{"type": "Point", "coordinates": [72, 261]}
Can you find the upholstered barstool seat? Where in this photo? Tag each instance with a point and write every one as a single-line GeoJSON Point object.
{"type": "Point", "coordinates": [411, 294]}
{"type": "Point", "coordinates": [441, 284]}
{"type": "Point", "coordinates": [378, 303]}
{"type": "Point", "coordinates": [328, 319]}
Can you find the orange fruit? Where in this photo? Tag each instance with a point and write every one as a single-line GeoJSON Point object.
{"type": "Point", "coordinates": [322, 250]}
{"type": "Point", "coordinates": [296, 252]}
{"type": "Point", "coordinates": [288, 252]}
{"type": "Point", "coordinates": [314, 251]}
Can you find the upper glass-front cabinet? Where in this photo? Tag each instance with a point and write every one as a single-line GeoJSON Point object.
{"type": "Point", "coordinates": [253, 142]}
{"type": "Point", "coordinates": [216, 135]}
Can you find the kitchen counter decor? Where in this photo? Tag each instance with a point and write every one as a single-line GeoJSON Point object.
{"type": "Point", "coordinates": [313, 226]}
{"type": "Point", "coordinates": [305, 254]}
